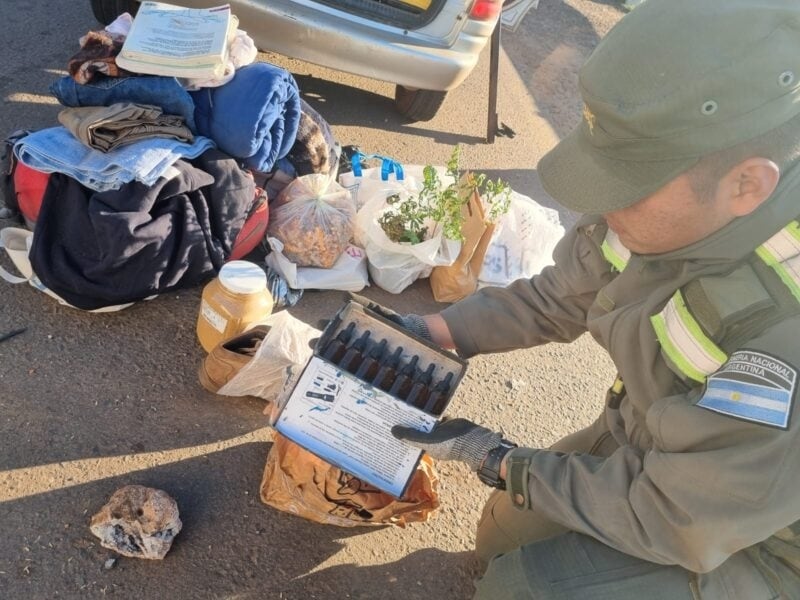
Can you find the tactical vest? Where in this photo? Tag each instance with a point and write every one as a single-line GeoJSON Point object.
{"type": "Point", "coordinates": [709, 317]}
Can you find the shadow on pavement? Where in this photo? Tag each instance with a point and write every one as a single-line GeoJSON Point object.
{"type": "Point", "coordinates": [549, 46]}
{"type": "Point", "coordinates": [364, 108]}
{"type": "Point", "coordinates": [406, 579]}
{"type": "Point", "coordinates": [265, 551]}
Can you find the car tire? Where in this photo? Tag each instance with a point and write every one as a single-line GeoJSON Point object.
{"type": "Point", "coordinates": [418, 105]}
{"type": "Point", "coordinates": [105, 11]}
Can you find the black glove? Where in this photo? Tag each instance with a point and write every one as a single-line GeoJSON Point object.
{"type": "Point", "coordinates": [413, 323]}
{"type": "Point", "coordinates": [452, 439]}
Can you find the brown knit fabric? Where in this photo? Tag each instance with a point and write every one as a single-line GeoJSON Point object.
{"type": "Point", "coordinates": [96, 56]}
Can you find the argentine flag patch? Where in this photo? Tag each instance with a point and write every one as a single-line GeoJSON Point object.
{"type": "Point", "coordinates": [752, 386]}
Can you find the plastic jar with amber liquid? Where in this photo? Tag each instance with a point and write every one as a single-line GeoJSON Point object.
{"type": "Point", "coordinates": [232, 303]}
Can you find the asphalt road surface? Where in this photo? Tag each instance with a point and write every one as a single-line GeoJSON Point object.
{"type": "Point", "coordinates": [92, 402]}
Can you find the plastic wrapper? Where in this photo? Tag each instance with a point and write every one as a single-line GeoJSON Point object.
{"type": "Point", "coordinates": [281, 355]}
{"type": "Point", "coordinates": [313, 217]}
{"type": "Point", "coordinates": [374, 186]}
{"type": "Point", "coordinates": [394, 266]}
{"type": "Point", "coordinates": [389, 178]}
{"type": "Point", "coordinates": [282, 294]}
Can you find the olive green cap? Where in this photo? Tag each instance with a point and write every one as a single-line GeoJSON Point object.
{"type": "Point", "coordinates": [673, 81]}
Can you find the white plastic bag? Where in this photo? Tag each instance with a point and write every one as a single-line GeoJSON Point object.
{"type": "Point", "coordinates": [313, 217]}
{"type": "Point", "coordinates": [366, 184]}
{"type": "Point", "coordinates": [284, 351]}
{"type": "Point", "coordinates": [376, 184]}
{"type": "Point", "coordinates": [394, 266]}
{"type": "Point", "coordinates": [348, 274]}
{"type": "Point", "coordinates": [522, 244]}
{"type": "Point", "coordinates": [17, 244]}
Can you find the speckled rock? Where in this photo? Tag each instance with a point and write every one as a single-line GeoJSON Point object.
{"type": "Point", "coordinates": [138, 521]}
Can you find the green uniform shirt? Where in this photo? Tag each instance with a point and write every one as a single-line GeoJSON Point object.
{"type": "Point", "coordinates": [688, 486]}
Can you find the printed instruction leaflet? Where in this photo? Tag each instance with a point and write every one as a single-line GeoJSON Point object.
{"type": "Point", "coordinates": [348, 423]}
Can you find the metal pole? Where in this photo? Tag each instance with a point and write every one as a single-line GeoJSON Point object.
{"type": "Point", "coordinates": [494, 63]}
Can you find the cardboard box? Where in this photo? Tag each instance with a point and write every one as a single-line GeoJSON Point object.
{"type": "Point", "coordinates": [346, 420]}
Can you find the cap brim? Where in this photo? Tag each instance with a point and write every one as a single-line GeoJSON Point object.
{"type": "Point", "coordinates": [578, 176]}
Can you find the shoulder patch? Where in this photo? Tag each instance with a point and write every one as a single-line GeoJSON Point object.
{"type": "Point", "coordinates": [753, 386]}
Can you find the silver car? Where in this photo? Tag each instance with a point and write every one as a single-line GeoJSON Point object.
{"type": "Point", "coordinates": [425, 47]}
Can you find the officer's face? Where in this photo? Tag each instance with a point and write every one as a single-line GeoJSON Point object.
{"type": "Point", "coordinates": [671, 218]}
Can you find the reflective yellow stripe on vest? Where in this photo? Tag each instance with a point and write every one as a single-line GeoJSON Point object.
{"type": "Point", "coordinates": [614, 252]}
{"type": "Point", "coordinates": [683, 341]}
{"type": "Point", "coordinates": [782, 253]}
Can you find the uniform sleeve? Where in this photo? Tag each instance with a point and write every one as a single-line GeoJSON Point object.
{"type": "Point", "coordinates": [712, 484]}
{"type": "Point", "coordinates": [550, 307]}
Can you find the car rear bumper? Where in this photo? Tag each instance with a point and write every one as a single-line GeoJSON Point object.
{"type": "Point", "coordinates": [325, 36]}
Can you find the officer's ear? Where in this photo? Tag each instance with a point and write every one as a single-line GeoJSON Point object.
{"type": "Point", "coordinates": [747, 185]}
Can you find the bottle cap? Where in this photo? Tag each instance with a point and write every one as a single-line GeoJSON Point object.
{"type": "Point", "coordinates": [242, 277]}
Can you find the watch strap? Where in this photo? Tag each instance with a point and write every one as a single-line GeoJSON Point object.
{"type": "Point", "coordinates": [489, 472]}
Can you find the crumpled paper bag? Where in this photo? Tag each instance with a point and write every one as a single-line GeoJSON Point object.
{"type": "Point", "coordinates": [298, 482]}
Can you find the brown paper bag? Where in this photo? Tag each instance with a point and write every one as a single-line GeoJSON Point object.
{"type": "Point", "coordinates": [456, 281]}
{"type": "Point", "coordinates": [300, 483]}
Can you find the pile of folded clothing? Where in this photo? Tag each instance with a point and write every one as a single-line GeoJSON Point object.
{"type": "Point", "coordinates": [150, 183]}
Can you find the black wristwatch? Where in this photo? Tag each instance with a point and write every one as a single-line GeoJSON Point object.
{"type": "Point", "coordinates": [489, 473]}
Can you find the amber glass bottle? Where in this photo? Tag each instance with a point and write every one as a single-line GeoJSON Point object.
{"type": "Point", "coordinates": [387, 372]}
{"type": "Point", "coordinates": [335, 348]}
{"type": "Point", "coordinates": [405, 379]}
{"type": "Point", "coordinates": [438, 397]}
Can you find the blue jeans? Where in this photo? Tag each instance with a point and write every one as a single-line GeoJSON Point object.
{"type": "Point", "coordinates": [56, 150]}
{"type": "Point", "coordinates": [165, 92]}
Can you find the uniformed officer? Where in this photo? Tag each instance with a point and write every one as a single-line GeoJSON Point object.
{"type": "Point", "coordinates": [686, 269]}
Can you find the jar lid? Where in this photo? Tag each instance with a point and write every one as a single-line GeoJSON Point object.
{"type": "Point", "coordinates": [242, 277]}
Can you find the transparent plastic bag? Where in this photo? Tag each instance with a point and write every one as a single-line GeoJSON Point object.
{"type": "Point", "coordinates": [284, 351]}
{"type": "Point", "coordinates": [366, 184]}
{"type": "Point", "coordinates": [313, 217]}
{"type": "Point", "coordinates": [371, 187]}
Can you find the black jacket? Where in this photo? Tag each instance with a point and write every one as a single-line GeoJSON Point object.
{"type": "Point", "coordinates": [96, 249]}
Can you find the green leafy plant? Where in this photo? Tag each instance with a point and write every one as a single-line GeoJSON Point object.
{"type": "Point", "coordinates": [407, 218]}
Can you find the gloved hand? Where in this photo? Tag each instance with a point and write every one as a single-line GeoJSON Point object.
{"type": "Point", "coordinates": [413, 323]}
{"type": "Point", "coordinates": [452, 439]}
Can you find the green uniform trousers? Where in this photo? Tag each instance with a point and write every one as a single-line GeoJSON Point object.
{"type": "Point", "coordinates": [530, 557]}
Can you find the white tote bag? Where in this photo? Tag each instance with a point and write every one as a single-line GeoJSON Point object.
{"type": "Point", "coordinates": [17, 244]}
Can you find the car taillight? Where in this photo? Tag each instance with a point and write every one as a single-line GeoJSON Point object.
{"type": "Point", "coordinates": [484, 10]}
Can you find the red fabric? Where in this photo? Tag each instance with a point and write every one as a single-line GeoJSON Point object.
{"type": "Point", "coordinates": [252, 232]}
{"type": "Point", "coordinates": [29, 185]}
